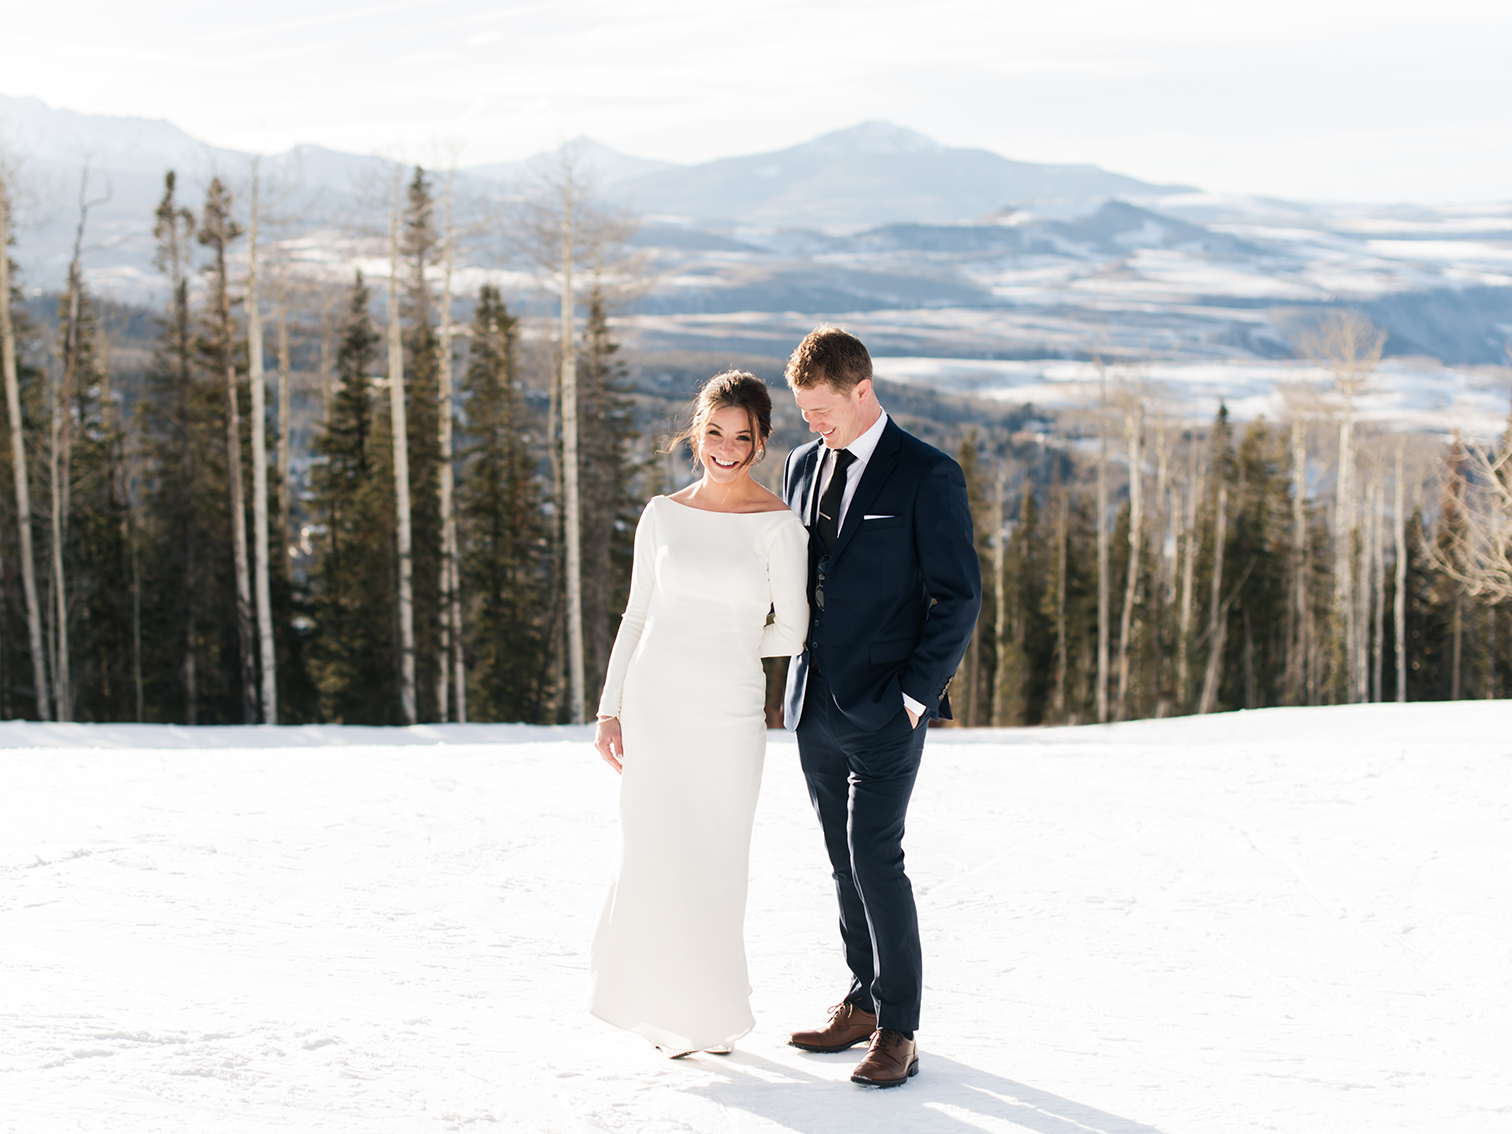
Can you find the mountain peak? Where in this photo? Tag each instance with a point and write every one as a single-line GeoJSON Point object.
{"type": "Point", "coordinates": [877, 137]}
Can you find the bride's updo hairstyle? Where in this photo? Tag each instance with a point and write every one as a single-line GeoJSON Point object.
{"type": "Point", "coordinates": [736, 388]}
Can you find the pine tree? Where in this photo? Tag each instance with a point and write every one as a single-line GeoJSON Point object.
{"type": "Point", "coordinates": [610, 502]}
{"type": "Point", "coordinates": [177, 420]}
{"type": "Point", "coordinates": [23, 659]}
{"type": "Point", "coordinates": [504, 532]}
{"type": "Point", "coordinates": [99, 606]}
{"type": "Point", "coordinates": [354, 647]}
{"type": "Point", "coordinates": [972, 700]}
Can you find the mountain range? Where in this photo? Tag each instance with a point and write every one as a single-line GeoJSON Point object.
{"type": "Point", "coordinates": [935, 250]}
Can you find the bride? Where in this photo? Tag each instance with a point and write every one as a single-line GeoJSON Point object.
{"type": "Point", "coordinates": [718, 583]}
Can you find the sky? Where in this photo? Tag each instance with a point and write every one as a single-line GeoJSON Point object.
{"type": "Point", "coordinates": [1320, 99]}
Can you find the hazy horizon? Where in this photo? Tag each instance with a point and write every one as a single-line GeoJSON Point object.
{"type": "Point", "coordinates": [1327, 101]}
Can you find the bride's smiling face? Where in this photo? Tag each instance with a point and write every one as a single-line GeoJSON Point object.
{"type": "Point", "coordinates": [726, 445]}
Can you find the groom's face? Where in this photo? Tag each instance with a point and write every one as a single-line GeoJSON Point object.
{"type": "Point", "coordinates": [838, 418]}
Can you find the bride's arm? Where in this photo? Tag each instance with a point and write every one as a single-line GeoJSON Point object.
{"type": "Point", "coordinates": [642, 580]}
{"type": "Point", "coordinates": [787, 576]}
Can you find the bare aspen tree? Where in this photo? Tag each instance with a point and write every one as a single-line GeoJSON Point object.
{"type": "Point", "coordinates": [1217, 622]}
{"type": "Point", "coordinates": [1378, 589]}
{"type": "Point", "coordinates": [266, 655]}
{"type": "Point", "coordinates": [1299, 621]}
{"type": "Point", "coordinates": [285, 425]}
{"type": "Point", "coordinates": [1062, 538]}
{"type": "Point", "coordinates": [1477, 551]}
{"type": "Point", "coordinates": [1350, 346]}
{"type": "Point", "coordinates": [401, 464]}
{"type": "Point", "coordinates": [1399, 596]}
{"type": "Point", "coordinates": [217, 230]}
{"type": "Point", "coordinates": [60, 455]}
{"type": "Point", "coordinates": [1102, 543]}
{"type": "Point", "coordinates": [1000, 594]}
{"type": "Point", "coordinates": [18, 449]}
{"type": "Point", "coordinates": [573, 505]}
{"type": "Point", "coordinates": [450, 664]}
{"type": "Point", "coordinates": [1194, 490]}
{"type": "Point", "coordinates": [328, 300]}
{"type": "Point", "coordinates": [1134, 431]}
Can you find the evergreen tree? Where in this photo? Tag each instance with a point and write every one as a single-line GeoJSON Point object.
{"type": "Point", "coordinates": [354, 646]}
{"type": "Point", "coordinates": [972, 692]}
{"type": "Point", "coordinates": [504, 531]}
{"type": "Point", "coordinates": [611, 503]}
{"type": "Point", "coordinates": [178, 423]}
{"type": "Point", "coordinates": [19, 677]}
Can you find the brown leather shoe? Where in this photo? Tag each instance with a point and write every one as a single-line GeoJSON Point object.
{"type": "Point", "coordinates": [848, 1026]}
{"type": "Point", "coordinates": [891, 1060]}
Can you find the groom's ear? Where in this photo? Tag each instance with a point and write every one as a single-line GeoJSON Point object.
{"type": "Point", "coordinates": [861, 389]}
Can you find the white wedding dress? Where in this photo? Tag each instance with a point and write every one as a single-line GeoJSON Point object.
{"type": "Point", "coordinates": [685, 679]}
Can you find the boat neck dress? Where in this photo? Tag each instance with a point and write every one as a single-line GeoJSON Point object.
{"type": "Point", "coordinates": [711, 594]}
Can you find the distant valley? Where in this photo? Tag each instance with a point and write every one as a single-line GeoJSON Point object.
{"type": "Point", "coordinates": [931, 252]}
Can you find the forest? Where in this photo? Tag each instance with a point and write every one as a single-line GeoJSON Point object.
{"type": "Point", "coordinates": [288, 495]}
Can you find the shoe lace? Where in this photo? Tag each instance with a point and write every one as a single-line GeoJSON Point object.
{"type": "Point", "coordinates": [886, 1038]}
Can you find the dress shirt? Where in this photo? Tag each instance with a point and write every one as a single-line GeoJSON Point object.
{"type": "Point", "coordinates": [862, 449]}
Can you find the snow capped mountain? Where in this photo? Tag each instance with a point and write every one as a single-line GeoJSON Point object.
{"type": "Point", "coordinates": [871, 174]}
{"type": "Point", "coordinates": [935, 251]}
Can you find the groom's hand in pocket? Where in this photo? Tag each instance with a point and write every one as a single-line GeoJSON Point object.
{"type": "Point", "coordinates": [609, 742]}
{"type": "Point", "coordinates": [913, 717]}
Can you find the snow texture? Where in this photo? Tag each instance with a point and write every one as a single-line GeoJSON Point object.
{"type": "Point", "coordinates": [1291, 920]}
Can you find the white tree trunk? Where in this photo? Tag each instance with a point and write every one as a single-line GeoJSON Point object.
{"type": "Point", "coordinates": [450, 663]}
{"type": "Point", "coordinates": [18, 458]}
{"type": "Point", "coordinates": [570, 463]}
{"type": "Point", "coordinates": [1134, 427]}
{"type": "Point", "coordinates": [238, 517]}
{"type": "Point", "coordinates": [1297, 661]}
{"type": "Point", "coordinates": [285, 422]}
{"type": "Point", "coordinates": [1344, 598]}
{"type": "Point", "coordinates": [266, 655]}
{"type": "Point", "coordinates": [1194, 487]}
{"type": "Point", "coordinates": [1378, 589]}
{"type": "Point", "coordinates": [1102, 547]}
{"type": "Point", "coordinates": [1217, 622]}
{"type": "Point", "coordinates": [1399, 599]}
{"type": "Point", "coordinates": [401, 472]}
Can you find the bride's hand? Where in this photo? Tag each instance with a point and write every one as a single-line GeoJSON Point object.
{"type": "Point", "coordinates": [610, 745]}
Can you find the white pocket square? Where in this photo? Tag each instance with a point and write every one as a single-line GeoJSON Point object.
{"type": "Point", "coordinates": [877, 517]}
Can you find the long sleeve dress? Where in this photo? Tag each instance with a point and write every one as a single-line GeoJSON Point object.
{"type": "Point", "coordinates": [685, 680]}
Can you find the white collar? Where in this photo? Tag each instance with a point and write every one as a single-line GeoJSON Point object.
{"type": "Point", "coordinates": [864, 446]}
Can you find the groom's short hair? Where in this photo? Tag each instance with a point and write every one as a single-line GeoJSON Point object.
{"type": "Point", "coordinates": [828, 354]}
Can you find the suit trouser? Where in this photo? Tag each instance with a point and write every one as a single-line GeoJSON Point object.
{"type": "Point", "coordinates": [860, 782]}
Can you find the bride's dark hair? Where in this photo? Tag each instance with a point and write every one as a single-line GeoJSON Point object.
{"type": "Point", "coordinates": [734, 388]}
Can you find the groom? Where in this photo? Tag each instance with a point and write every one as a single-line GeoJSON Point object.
{"type": "Point", "coordinates": [894, 591]}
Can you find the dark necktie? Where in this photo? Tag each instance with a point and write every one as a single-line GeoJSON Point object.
{"type": "Point", "coordinates": [829, 504]}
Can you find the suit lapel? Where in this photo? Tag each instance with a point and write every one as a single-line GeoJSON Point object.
{"type": "Point", "coordinates": [808, 482]}
{"type": "Point", "coordinates": [883, 460]}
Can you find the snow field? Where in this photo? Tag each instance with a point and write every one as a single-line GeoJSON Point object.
{"type": "Point", "coordinates": [1289, 920]}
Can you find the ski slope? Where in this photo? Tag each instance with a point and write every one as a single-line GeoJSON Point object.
{"type": "Point", "coordinates": [1293, 920]}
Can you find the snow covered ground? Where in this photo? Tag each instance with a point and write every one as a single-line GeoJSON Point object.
{"type": "Point", "coordinates": [1289, 920]}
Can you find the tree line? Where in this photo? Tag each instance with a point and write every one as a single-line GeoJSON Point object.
{"type": "Point", "coordinates": [1307, 562]}
{"type": "Point", "coordinates": [441, 539]}
{"type": "Point", "coordinates": [177, 555]}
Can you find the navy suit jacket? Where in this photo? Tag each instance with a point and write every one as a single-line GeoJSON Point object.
{"type": "Point", "coordinates": [903, 585]}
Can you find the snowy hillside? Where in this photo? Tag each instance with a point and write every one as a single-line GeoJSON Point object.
{"type": "Point", "coordinates": [1286, 921]}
